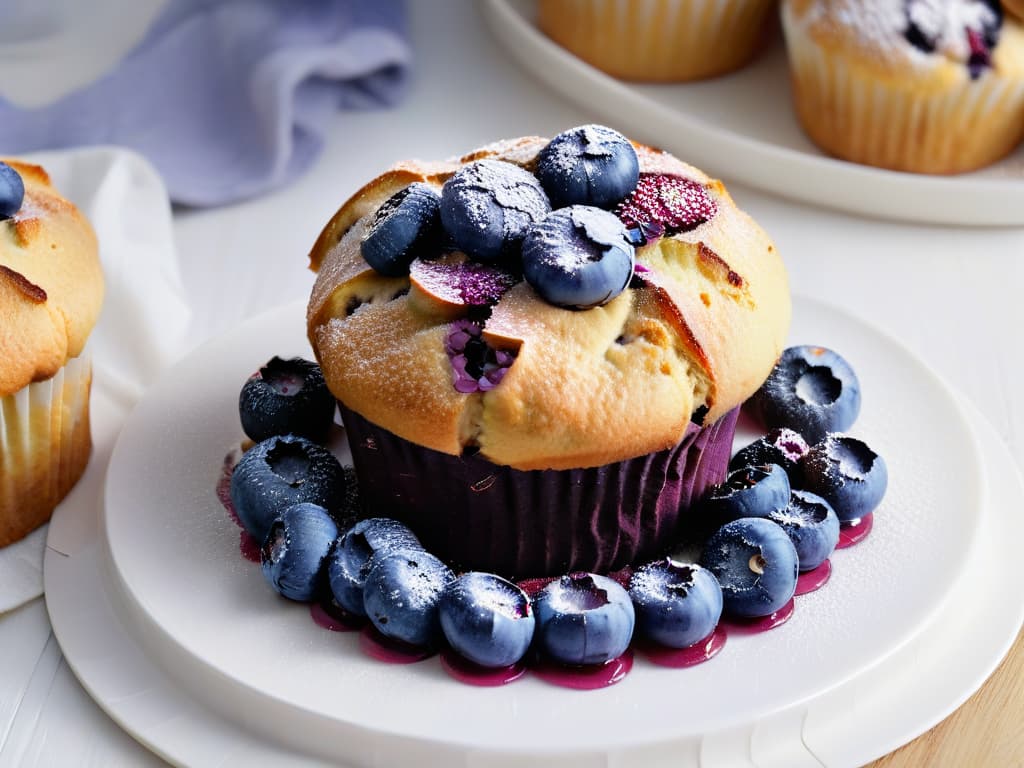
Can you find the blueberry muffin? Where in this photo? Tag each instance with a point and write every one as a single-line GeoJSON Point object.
{"type": "Point", "coordinates": [660, 40]}
{"type": "Point", "coordinates": [51, 289]}
{"type": "Point", "coordinates": [928, 86]}
{"type": "Point", "coordinates": [539, 348]}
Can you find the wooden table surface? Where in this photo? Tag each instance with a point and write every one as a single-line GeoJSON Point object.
{"type": "Point", "coordinates": [985, 731]}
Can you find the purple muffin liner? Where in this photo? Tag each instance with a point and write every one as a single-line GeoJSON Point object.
{"type": "Point", "coordinates": [476, 515]}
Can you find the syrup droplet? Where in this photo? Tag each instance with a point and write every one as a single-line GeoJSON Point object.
{"type": "Point", "coordinates": [466, 671]}
{"type": "Point", "coordinates": [698, 653]}
{"type": "Point", "coordinates": [752, 626]}
{"type": "Point", "coordinates": [814, 579]}
{"type": "Point", "coordinates": [855, 531]}
{"type": "Point", "coordinates": [377, 646]}
{"type": "Point", "coordinates": [586, 678]}
{"type": "Point", "coordinates": [335, 618]}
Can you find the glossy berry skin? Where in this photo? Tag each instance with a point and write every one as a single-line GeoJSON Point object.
{"type": "Point", "coordinates": [293, 553]}
{"type": "Point", "coordinates": [488, 206]}
{"type": "Point", "coordinates": [349, 562]}
{"type": "Point", "coordinates": [487, 619]}
{"type": "Point", "coordinates": [756, 565]}
{"type": "Point", "coordinates": [407, 225]}
{"type": "Point", "coordinates": [781, 446]}
{"type": "Point", "coordinates": [578, 257]}
{"type": "Point", "coordinates": [583, 618]}
{"type": "Point", "coordinates": [677, 604]}
{"type": "Point", "coordinates": [747, 492]}
{"type": "Point", "coordinates": [847, 474]}
{"type": "Point", "coordinates": [12, 191]}
{"type": "Point", "coordinates": [588, 165]}
{"type": "Point", "coordinates": [811, 390]}
{"type": "Point", "coordinates": [403, 593]}
{"type": "Point", "coordinates": [286, 397]}
{"type": "Point", "coordinates": [812, 526]}
{"type": "Point", "coordinates": [282, 471]}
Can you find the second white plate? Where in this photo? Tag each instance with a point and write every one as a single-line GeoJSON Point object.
{"type": "Point", "coordinates": [206, 615]}
{"type": "Point", "coordinates": [742, 127]}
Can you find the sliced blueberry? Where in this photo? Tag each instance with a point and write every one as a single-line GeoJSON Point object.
{"type": "Point", "coordinates": [812, 526]}
{"type": "Point", "coordinates": [487, 206]}
{"type": "Point", "coordinates": [588, 165]}
{"type": "Point", "coordinates": [677, 604]}
{"type": "Point", "coordinates": [487, 619]}
{"type": "Point", "coordinates": [756, 566]}
{"type": "Point", "coordinates": [847, 474]}
{"type": "Point", "coordinates": [12, 191]}
{"type": "Point", "coordinates": [282, 471]}
{"type": "Point", "coordinates": [747, 492]}
{"type": "Point", "coordinates": [584, 618]}
{"type": "Point", "coordinates": [349, 561]}
{"type": "Point", "coordinates": [811, 390]}
{"type": "Point", "coordinates": [578, 257]}
{"type": "Point", "coordinates": [665, 205]}
{"type": "Point", "coordinates": [295, 548]}
{"type": "Point", "coordinates": [407, 225]}
{"type": "Point", "coordinates": [286, 397]}
{"type": "Point", "coordinates": [780, 446]}
{"type": "Point", "coordinates": [402, 594]}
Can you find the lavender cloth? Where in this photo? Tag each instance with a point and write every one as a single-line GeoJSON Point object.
{"type": "Point", "coordinates": [230, 98]}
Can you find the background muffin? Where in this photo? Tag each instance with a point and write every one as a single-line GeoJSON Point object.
{"type": "Point", "coordinates": [51, 289]}
{"type": "Point", "coordinates": [659, 40]}
{"type": "Point", "coordinates": [922, 86]}
{"type": "Point", "coordinates": [519, 435]}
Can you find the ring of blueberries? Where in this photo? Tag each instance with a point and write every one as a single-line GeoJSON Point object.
{"type": "Point", "coordinates": [570, 229]}
{"type": "Point", "coordinates": [777, 514]}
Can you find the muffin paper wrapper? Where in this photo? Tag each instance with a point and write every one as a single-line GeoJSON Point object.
{"type": "Point", "coordinates": [659, 40]}
{"type": "Point", "coordinates": [477, 515]}
{"type": "Point", "coordinates": [44, 446]}
{"type": "Point", "coordinates": [857, 115]}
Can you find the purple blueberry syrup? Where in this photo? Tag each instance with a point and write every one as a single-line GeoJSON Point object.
{"type": "Point", "coordinates": [855, 531]}
{"type": "Point", "coordinates": [377, 646]}
{"type": "Point", "coordinates": [813, 580]}
{"type": "Point", "coordinates": [476, 366]}
{"type": "Point", "coordinates": [680, 658]}
{"type": "Point", "coordinates": [466, 671]}
{"type": "Point", "coordinates": [587, 678]}
{"type": "Point", "coordinates": [333, 617]}
{"type": "Point", "coordinates": [754, 626]}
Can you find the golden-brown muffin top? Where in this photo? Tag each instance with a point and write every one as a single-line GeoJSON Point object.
{"type": "Point", "coordinates": [697, 331]}
{"type": "Point", "coordinates": [51, 285]}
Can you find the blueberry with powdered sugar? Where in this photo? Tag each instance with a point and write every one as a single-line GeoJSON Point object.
{"type": "Point", "coordinates": [12, 191]}
{"type": "Point", "coordinates": [578, 257]}
{"type": "Point", "coordinates": [847, 474]}
{"type": "Point", "coordinates": [588, 165]}
{"type": "Point", "coordinates": [963, 30]}
{"type": "Point", "coordinates": [405, 226]}
{"type": "Point", "coordinates": [488, 206]}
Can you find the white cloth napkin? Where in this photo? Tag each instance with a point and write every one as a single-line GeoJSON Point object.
{"type": "Point", "coordinates": [144, 319]}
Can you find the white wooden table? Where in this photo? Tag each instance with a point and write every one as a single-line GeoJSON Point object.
{"type": "Point", "coordinates": [951, 294]}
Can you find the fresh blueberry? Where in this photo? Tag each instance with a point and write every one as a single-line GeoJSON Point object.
{"type": "Point", "coordinates": [487, 619]}
{"type": "Point", "coordinates": [578, 257]}
{"type": "Point", "coordinates": [487, 206]}
{"type": "Point", "coordinates": [402, 594]}
{"type": "Point", "coordinates": [349, 562]}
{"type": "Point", "coordinates": [756, 565]}
{"type": "Point", "coordinates": [588, 165]}
{"type": "Point", "coordinates": [812, 526]}
{"type": "Point", "coordinates": [407, 225]}
{"type": "Point", "coordinates": [295, 549]}
{"type": "Point", "coordinates": [847, 474]}
{"type": "Point", "coordinates": [286, 397]}
{"type": "Point", "coordinates": [12, 191]}
{"type": "Point", "coordinates": [780, 446]}
{"type": "Point", "coordinates": [811, 390]}
{"type": "Point", "coordinates": [677, 604]}
{"type": "Point", "coordinates": [584, 618]}
{"type": "Point", "coordinates": [747, 492]}
{"type": "Point", "coordinates": [281, 471]}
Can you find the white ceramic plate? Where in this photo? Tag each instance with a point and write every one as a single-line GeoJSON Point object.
{"type": "Point", "coordinates": [742, 127]}
{"type": "Point", "coordinates": [206, 616]}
